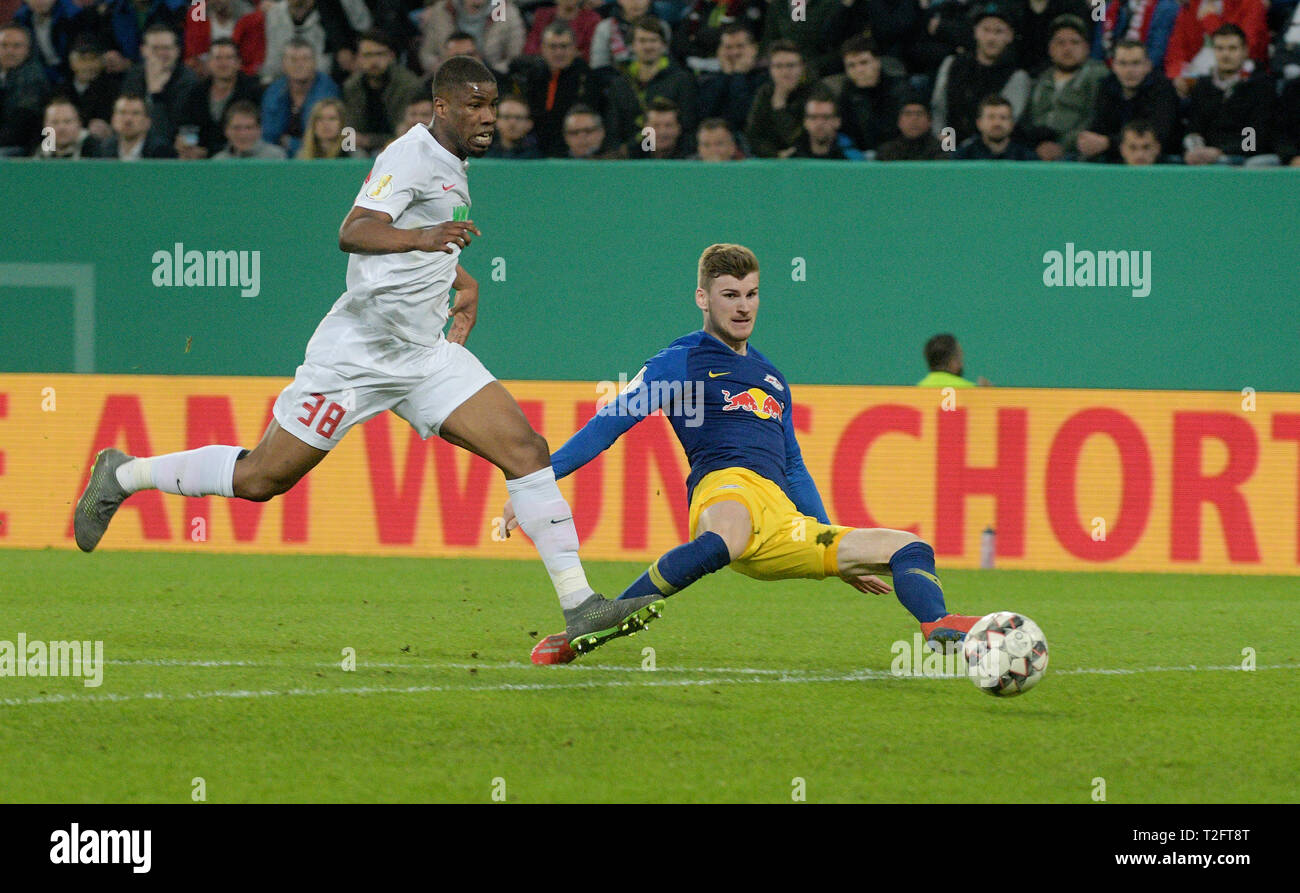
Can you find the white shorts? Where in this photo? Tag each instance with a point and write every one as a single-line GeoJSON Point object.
{"type": "Point", "coordinates": [353, 372]}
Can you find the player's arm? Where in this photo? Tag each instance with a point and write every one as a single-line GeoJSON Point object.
{"type": "Point", "coordinates": [367, 231]}
{"type": "Point", "coordinates": [638, 400]}
{"type": "Point", "coordinates": [464, 313]}
{"type": "Point", "coordinates": [803, 490]}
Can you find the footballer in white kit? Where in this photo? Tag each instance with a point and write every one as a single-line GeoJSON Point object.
{"type": "Point", "coordinates": [381, 346]}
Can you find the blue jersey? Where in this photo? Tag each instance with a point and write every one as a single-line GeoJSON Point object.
{"type": "Point", "coordinates": [728, 410]}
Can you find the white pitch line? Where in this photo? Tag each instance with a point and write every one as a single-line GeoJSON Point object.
{"type": "Point", "coordinates": [441, 665]}
{"type": "Point", "coordinates": [859, 676]}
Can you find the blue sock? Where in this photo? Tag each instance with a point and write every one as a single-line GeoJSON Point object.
{"type": "Point", "coordinates": [915, 583]}
{"type": "Point", "coordinates": [679, 568]}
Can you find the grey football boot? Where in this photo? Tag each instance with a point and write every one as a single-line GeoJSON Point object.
{"type": "Point", "coordinates": [599, 619]}
{"type": "Point", "coordinates": [103, 495]}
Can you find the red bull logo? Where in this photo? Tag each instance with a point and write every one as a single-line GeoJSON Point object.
{"type": "Point", "coordinates": [754, 400]}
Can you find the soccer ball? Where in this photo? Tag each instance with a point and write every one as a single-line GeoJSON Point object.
{"type": "Point", "coordinates": [1006, 654]}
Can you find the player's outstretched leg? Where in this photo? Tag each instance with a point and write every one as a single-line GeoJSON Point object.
{"type": "Point", "coordinates": [491, 424]}
{"type": "Point", "coordinates": [911, 562]}
{"type": "Point", "coordinates": [275, 465]}
{"type": "Point", "coordinates": [725, 529]}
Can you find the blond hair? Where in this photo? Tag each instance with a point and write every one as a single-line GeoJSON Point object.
{"type": "Point", "coordinates": [725, 259]}
{"type": "Point", "coordinates": [314, 148]}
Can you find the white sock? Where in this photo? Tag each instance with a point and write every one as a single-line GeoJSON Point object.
{"type": "Point", "coordinates": [207, 471]}
{"type": "Point", "coordinates": [548, 521]}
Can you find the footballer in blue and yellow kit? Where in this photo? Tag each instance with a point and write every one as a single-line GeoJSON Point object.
{"type": "Point", "coordinates": [753, 504]}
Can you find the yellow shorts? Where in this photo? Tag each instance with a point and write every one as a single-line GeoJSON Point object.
{"type": "Point", "coordinates": [785, 543]}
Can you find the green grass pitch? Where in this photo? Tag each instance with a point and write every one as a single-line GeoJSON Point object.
{"type": "Point", "coordinates": [228, 668]}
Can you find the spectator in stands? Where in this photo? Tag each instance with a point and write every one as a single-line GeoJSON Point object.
{"type": "Point", "coordinates": [497, 27]}
{"type": "Point", "coordinates": [1135, 89]}
{"type": "Point", "coordinates": [661, 138]}
{"type": "Point", "coordinates": [1148, 22]}
{"type": "Point", "coordinates": [1189, 55]}
{"type": "Point", "coordinates": [915, 142]}
{"type": "Point", "coordinates": [867, 99]}
{"type": "Point", "coordinates": [418, 111]}
{"type": "Point", "coordinates": [584, 133]}
{"type": "Point", "coordinates": [91, 87]}
{"type": "Point", "coordinates": [166, 84]}
{"type": "Point", "coordinates": [729, 92]}
{"type": "Point", "coordinates": [515, 138]}
{"type": "Point", "coordinates": [821, 128]}
{"type": "Point", "coordinates": [1033, 24]}
{"type": "Point", "coordinates": [132, 136]}
{"type": "Point", "coordinates": [1063, 102]}
{"type": "Point", "coordinates": [651, 73]}
{"type": "Point", "coordinates": [202, 133]}
{"type": "Point", "coordinates": [54, 25]}
{"type": "Point", "coordinates": [219, 20]}
{"type": "Point", "coordinates": [124, 22]}
{"type": "Point", "coordinates": [994, 142]}
{"type": "Point", "coordinates": [776, 119]}
{"type": "Point", "coordinates": [1231, 112]}
{"type": "Point", "coordinates": [328, 26]}
{"type": "Point", "coordinates": [63, 135]}
{"type": "Point", "coordinates": [1139, 144]}
{"type": "Point", "coordinates": [964, 79]}
{"type": "Point", "coordinates": [288, 100]}
{"type": "Point", "coordinates": [944, 358]}
{"type": "Point", "coordinates": [716, 142]}
{"type": "Point", "coordinates": [325, 137]}
{"type": "Point", "coordinates": [244, 135]}
{"type": "Point", "coordinates": [805, 32]}
{"type": "Point", "coordinates": [1286, 55]}
{"type": "Point", "coordinates": [379, 92]}
{"type": "Point", "coordinates": [1288, 131]}
{"type": "Point", "coordinates": [611, 43]}
{"type": "Point", "coordinates": [945, 30]}
{"type": "Point", "coordinates": [23, 90]}
{"type": "Point", "coordinates": [698, 36]}
{"type": "Point", "coordinates": [890, 24]}
{"type": "Point", "coordinates": [581, 20]}
{"type": "Point", "coordinates": [554, 88]}
{"type": "Point", "coordinates": [458, 43]}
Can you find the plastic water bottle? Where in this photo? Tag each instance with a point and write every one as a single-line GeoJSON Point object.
{"type": "Point", "coordinates": [988, 547]}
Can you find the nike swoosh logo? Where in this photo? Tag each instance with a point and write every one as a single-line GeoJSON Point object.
{"type": "Point", "coordinates": [449, 186]}
{"type": "Point", "coordinates": [718, 374]}
{"type": "Point", "coordinates": [562, 520]}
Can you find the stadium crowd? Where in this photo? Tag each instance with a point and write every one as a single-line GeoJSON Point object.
{"type": "Point", "coordinates": [1124, 81]}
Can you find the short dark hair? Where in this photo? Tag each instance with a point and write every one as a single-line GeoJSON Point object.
{"type": "Point", "coordinates": [858, 43]}
{"type": "Point", "coordinates": [649, 24]}
{"type": "Point", "coordinates": [1138, 127]}
{"type": "Point", "coordinates": [129, 97]}
{"type": "Point", "coordinates": [63, 99]}
{"type": "Point", "coordinates": [559, 29]}
{"type": "Point", "coordinates": [459, 35]}
{"type": "Point", "coordinates": [1129, 44]}
{"type": "Point", "coordinates": [715, 124]}
{"type": "Point", "coordinates": [225, 42]}
{"type": "Point", "coordinates": [241, 107]}
{"type": "Point", "coordinates": [579, 108]}
{"type": "Point", "coordinates": [939, 351]}
{"type": "Point", "coordinates": [299, 43]}
{"type": "Point", "coordinates": [160, 28]}
{"type": "Point", "coordinates": [783, 46]}
{"type": "Point", "coordinates": [459, 72]}
{"type": "Point", "coordinates": [376, 35]}
{"type": "Point", "coordinates": [737, 28]}
{"type": "Point", "coordinates": [1229, 30]}
{"type": "Point", "coordinates": [993, 99]}
{"type": "Point", "coordinates": [87, 44]}
{"type": "Point", "coordinates": [663, 104]}
{"type": "Point", "coordinates": [821, 93]}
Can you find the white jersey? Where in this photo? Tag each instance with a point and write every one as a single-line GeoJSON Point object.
{"type": "Point", "coordinates": [419, 184]}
